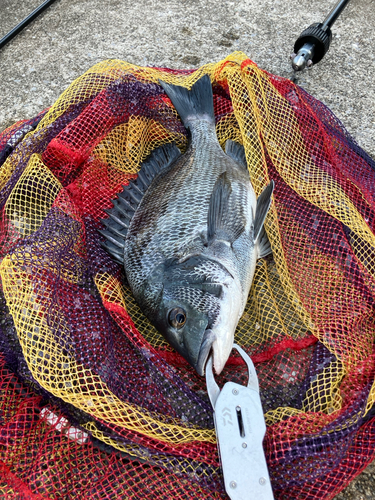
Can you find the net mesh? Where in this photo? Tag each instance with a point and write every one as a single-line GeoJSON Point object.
{"type": "Point", "coordinates": [94, 403]}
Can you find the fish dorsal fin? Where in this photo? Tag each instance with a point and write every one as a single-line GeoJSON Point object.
{"type": "Point", "coordinates": [130, 197]}
{"type": "Point", "coordinates": [220, 225]}
{"type": "Point", "coordinates": [237, 152]}
{"type": "Point", "coordinates": [263, 205]}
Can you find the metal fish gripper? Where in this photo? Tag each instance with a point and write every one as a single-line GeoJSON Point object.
{"type": "Point", "coordinates": [240, 429]}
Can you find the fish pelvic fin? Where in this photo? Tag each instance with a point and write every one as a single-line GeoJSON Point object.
{"type": "Point", "coordinates": [263, 205]}
{"type": "Point", "coordinates": [220, 225]}
{"type": "Point", "coordinates": [124, 207]}
{"type": "Point", "coordinates": [194, 104]}
{"type": "Point", "coordinates": [264, 244]}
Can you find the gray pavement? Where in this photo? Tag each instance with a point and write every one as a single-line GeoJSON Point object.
{"type": "Point", "coordinates": [72, 35]}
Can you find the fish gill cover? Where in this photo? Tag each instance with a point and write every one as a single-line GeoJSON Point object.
{"type": "Point", "coordinates": [94, 403]}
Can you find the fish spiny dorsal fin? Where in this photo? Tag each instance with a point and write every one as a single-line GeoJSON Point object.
{"type": "Point", "coordinates": [237, 152]}
{"type": "Point", "coordinates": [263, 205]}
{"type": "Point", "coordinates": [194, 104]}
{"type": "Point", "coordinates": [113, 250]}
{"type": "Point", "coordinates": [220, 225]}
{"type": "Point", "coordinates": [130, 197]}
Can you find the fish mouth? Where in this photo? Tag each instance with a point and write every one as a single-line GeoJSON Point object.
{"type": "Point", "coordinates": [209, 338]}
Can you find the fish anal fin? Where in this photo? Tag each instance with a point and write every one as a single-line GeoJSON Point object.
{"type": "Point", "coordinates": [220, 224]}
{"type": "Point", "coordinates": [263, 205]}
{"type": "Point", "coordinates": [237, 152]}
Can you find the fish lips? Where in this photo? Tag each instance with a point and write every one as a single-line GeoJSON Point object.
{"type": "Point", "coordinates": [208, 339]}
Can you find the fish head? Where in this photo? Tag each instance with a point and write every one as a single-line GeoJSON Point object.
{"type": "Point", "coordinates": [197, 310]}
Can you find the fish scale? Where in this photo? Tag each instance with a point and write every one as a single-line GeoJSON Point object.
{"type": "Point", "coordinates": [190, 186]}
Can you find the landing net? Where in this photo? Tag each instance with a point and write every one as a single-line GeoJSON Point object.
{"type": "Point", "coordinates": [93, 403]}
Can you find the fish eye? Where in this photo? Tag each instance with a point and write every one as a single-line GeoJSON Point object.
{"type": "Point", "coordinates": [177, 317]}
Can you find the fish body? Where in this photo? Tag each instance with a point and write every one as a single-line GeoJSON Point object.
{"type": "Point", "coordinates": [190, 241]}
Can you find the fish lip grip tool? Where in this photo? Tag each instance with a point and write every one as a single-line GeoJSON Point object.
{"type": "Point", "coordinates": [240, 429]}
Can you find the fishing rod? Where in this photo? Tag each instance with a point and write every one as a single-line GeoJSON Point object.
{"type": "Point", "coordinates": [35, 13]}
{"type": "Point", "coordinates": [313, 43]}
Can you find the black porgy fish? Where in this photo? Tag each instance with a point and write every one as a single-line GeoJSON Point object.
{"type": "Point", "coordinates": [188, 231]}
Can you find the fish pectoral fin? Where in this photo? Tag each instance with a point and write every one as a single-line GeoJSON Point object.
{"type": "Point", "coordinates": [237, 152]}
{"type": "Point", "coordinates": [263, 205]}
{"type": "Point", "coordinates": [215, 289]}
{"type": "Point", "coordinates": [221, 225]}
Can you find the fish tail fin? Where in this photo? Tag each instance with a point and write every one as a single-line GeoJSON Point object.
{"type": "Point", "coordinates": [193, 104]}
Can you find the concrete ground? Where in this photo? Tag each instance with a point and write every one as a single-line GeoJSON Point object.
{"type": "Point", "coordinates": [72, 35]}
